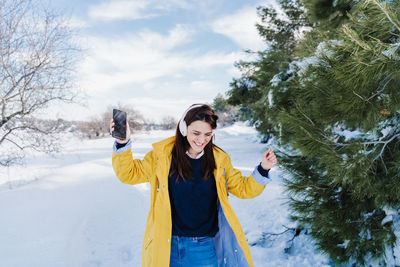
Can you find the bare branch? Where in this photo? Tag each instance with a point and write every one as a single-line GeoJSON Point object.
{"type": "Point", "coordinates": [389, 78]}
{"type": "Point", "coordinates": [36, 66]}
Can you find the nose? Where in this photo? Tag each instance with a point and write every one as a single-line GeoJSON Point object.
{"type": "Point", "coordinates": [201, 139]}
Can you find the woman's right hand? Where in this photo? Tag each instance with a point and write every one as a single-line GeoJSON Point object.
{"type": "Point", "coordinates": [128, 133]}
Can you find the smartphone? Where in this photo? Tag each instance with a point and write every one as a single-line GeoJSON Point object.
{"type": "Point", "coordinates": [119, 118]}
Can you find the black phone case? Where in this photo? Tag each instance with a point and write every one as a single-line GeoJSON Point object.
{"type": "Point", "coordinates": [119, 118]}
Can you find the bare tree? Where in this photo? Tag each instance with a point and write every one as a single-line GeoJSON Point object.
{"type": "Point", "coordinates": [168, 123]}
{"type": "Point", "coordinates": [93, 128]}
{"type": "Point", "coordinates": [227, 114]}
{"type": "Point", "coordinates": [98, 126]}
{"type": "Point", "coordinates": [36, 66]}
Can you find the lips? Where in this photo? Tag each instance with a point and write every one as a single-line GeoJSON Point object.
{"type": "Point", "coordinates": [198, 145]}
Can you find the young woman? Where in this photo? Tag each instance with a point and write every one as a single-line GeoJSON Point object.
{"type": "Point", "coordinates": [190, 222]}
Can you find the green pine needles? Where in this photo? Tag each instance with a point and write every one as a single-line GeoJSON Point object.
{"type": "Point", "coordinates": [331, 97]}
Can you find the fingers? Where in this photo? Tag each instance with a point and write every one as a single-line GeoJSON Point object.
{"type": "Point", "coordinates": [128, 130]}
{"type": "Point", "coordinates": [270, 155]}
{"type": "Point", "coordinates": [268, 152]}
{"type": "Point", "coordinates": [111, 125]}
{"type": "Point", "coordinates": [272, 160]}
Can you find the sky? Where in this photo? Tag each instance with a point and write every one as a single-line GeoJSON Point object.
{"type": "Point", "coordinates": [157, 56]}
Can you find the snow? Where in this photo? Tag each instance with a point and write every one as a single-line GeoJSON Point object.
{"type": "Point", "coordinates": [392, 51]}
{"type": "Point", "coordinates": [270, 99]}
{"type": "Point", "coordinates": [348, 134]}
{"type": "Point", "coordinates": [71, 210]}
{"type": "Point", "coordinates": [321, 51]}
{"type": "Point", "coordinates": [274, 82]}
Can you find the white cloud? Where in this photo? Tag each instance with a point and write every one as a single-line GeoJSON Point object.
{"type": "Point", "coordinates": [150, 71]}
{"type": "Point", "coordinates": [133, 9]}
{"type": "Point", "coordinates": [124, 9]}
{"type": "Point", "coordinates": [77, 23]}
{"type": "Point", "coordinates": [240, 27]}
{"type": "Point", "coordinates": [157, 108]}
{"type": "Point", "coordinates": [181, 34]}
{"type": "Point", "coordinates": [144, 58]}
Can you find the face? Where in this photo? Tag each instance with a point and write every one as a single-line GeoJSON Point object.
{"type": "Point", "coordinates": [199, 134]}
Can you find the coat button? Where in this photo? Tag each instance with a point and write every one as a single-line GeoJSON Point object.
{"type": "Point", "coordinates": [168, 240]}
{"type": "Point", "coordinates": [163, 186]}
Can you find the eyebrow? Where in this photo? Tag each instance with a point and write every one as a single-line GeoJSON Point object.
{"type": "Point", "coordinates": [200, 132]}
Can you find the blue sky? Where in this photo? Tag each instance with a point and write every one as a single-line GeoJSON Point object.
{"type": "Point", "coordinates": [158, 56]}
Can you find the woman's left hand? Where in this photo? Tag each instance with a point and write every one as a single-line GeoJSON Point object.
{"type": "Point", "coordinates": [268, 159]}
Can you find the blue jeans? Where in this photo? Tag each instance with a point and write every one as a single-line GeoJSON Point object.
{"type": "Point", "coordinates": [192, 252]}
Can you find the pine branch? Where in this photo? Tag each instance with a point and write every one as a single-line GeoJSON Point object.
{"type": "Point", "coordinates": [358, 95]}
{"type": "Point", "coordinates": [381, 142]}
{"type": "Point", "coordinates": [309, 185]}
{"type": "Point", "coordinates": [354, 37]}
{"type": "Point", "coordinates": [385, 144]}
{"type": "Point", "coordinates": [389, 77]}
{"type": "Point", "coordinates": [299, 109]}
{"type": "Point", "coordinates": [386, 13]}
{"type": "Point", "coordinates": [374, 142]}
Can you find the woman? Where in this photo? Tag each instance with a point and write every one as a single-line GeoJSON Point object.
{"type": "Point", "coordinates": [190, 222]}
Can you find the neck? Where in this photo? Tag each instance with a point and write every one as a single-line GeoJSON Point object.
{"type": "Point", "coordinates": [193, 153]}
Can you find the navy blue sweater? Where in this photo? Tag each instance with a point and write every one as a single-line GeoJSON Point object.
{"type": "Point", "coordinates": [193, 203]}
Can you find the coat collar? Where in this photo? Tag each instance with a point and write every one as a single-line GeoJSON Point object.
{"type": "Point", "coordinates": [165, 146]}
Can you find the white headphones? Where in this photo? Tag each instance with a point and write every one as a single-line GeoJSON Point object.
{"type": "Point", "coordinates": [182, 122]}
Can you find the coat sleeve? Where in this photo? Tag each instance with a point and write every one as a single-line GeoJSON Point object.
{"type": "Point", "coordinates": [129, 170]}
{"type": "Point", "coordinates": [244, 186]}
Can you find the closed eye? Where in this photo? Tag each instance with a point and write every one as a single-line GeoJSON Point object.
{"type": "Point", "coordinates": [198, 133]}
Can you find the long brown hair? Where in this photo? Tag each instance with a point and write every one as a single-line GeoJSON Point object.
{"type": "Point", "coordinates": [180, 161]}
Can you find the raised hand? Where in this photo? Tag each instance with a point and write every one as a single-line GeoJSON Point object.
{"type": "Point", "coordinates": [128, 132]}
{"type": "Point", "coordinates": [268, 159]}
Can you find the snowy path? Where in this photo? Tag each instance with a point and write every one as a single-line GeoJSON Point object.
{"type": "Point", "coordinates": [71, 210]}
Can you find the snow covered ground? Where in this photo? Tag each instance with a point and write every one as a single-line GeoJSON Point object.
{"type": "Point", "coordinates": [71, 210]}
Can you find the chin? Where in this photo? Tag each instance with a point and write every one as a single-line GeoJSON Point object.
{"type": "Point", "coordinates": [198, 149]}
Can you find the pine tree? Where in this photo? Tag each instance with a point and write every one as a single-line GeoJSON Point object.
{"type": "Point", "coordinates": [347, 132]}
{"type": "Point", "coordinates": [335, 106]}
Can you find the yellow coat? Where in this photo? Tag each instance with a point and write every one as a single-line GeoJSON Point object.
{"type": "Point", "coordinates": [230, 242]}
